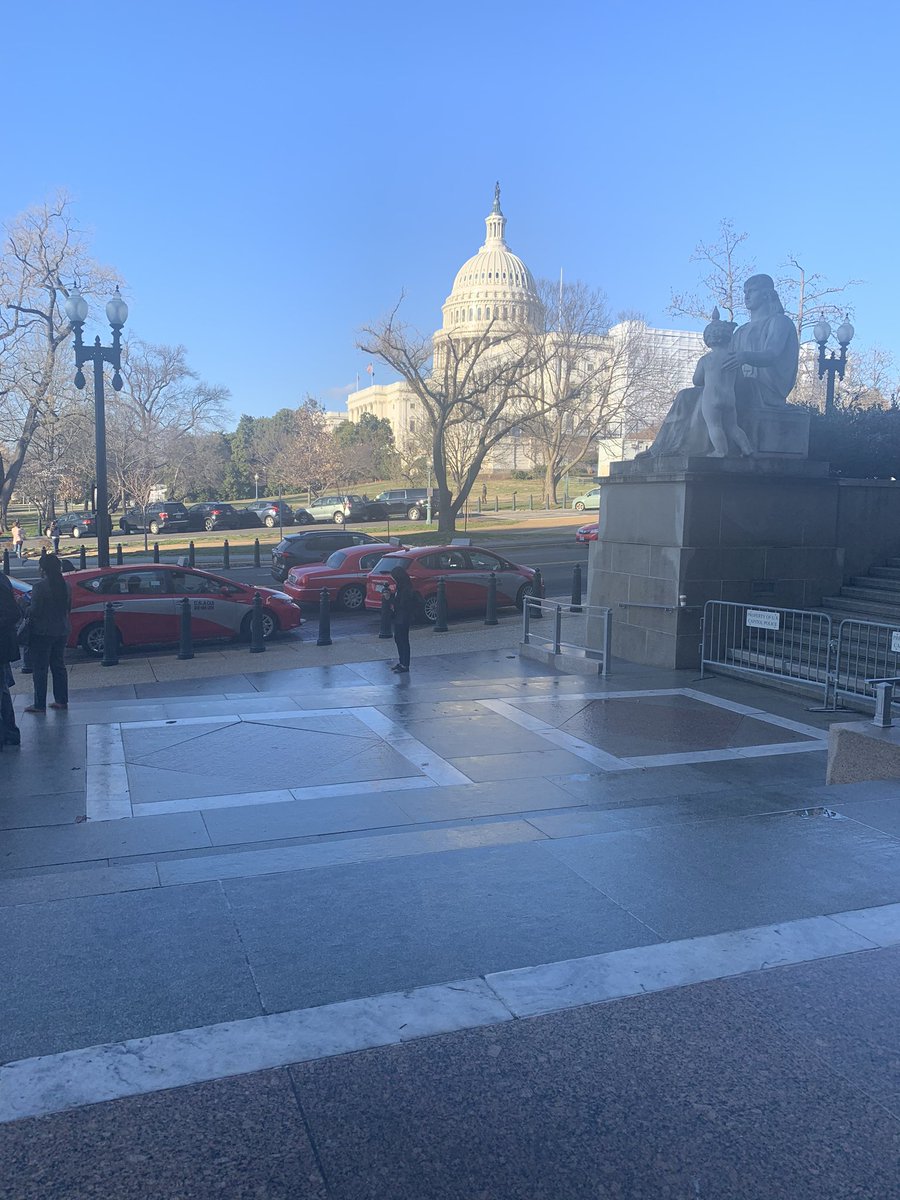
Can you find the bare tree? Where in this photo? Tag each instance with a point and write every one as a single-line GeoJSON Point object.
{"type": "Point", "coordinates": [808, 298]}
{"type": "Point", "coordinates": [43, 254]}
{"type": "Point", "coordinates": [470, 389]}
{"type": "Point", "coordinates": [722, 285]}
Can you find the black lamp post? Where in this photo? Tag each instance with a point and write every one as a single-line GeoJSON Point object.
{"type": "Point", "coordinates": [116, 314]}
{"type": "Point", "coordinates": [831, 364]}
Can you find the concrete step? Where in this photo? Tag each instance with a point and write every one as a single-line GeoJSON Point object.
{"type": "Point", "coordinates": [886, 572]}
{"type": "Point", "coordinates": [865, 609]}
{"type": "Point", "coordinates": [878, 582]}
{"type": "Point", "coordinates": [867, 594]}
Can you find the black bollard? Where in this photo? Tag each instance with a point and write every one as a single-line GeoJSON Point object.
{"type": "Point", "coordinates": [479, 505]}
{"type": "Point", "coordinates": [530, 502]}
{"type": "Point", "coordinates": [384, 629]}
{"type": "Point", "coordinates": [440, 623]}
{"type": "Point", "coordinates": [226, 554]}
{"type": "Point", "coordinates": [192, 558]}
{"type": "Point", "coordinates": [490, 616]}
{"type": "Point", "coordinates": [324, 638]}
{"type": "Point", "coordinates": [514, 500]}
{"type": "Point", "coordinates": [186, 643]}
{"type": "Point", "coordinates": [576, 589]}
{"type": "Point", "coordinates": [5, 562]}
{"type": "Point", "coordinates": [257, 641]}
{"type": "Point", "coordinates": [496, 504]}
{"type": "Point", "coordinates": [82, 559]}
{"type": "Point", "coordinates": [119, 554]}
{"type": "Point", "coordinates": [256, 561]}
{"type": "Point", "coordinates": [110, 637]}
{"type": "Point", "coordinates": [537, 591]}
{"type": "Point", "coordinates": [156, 552]}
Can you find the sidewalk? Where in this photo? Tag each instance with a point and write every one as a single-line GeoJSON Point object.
{"type": "Point", "coordinates": [480, 931]}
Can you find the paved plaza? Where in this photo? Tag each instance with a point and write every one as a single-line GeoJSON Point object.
{"type": "Point", "coordinates": [482, 931]}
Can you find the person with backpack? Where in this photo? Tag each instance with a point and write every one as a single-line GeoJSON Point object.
{"type": "Point", "coordinates": [48, 633]}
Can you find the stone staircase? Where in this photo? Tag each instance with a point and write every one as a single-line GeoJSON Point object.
{"type": "Point", "coordinates": [874, 596]}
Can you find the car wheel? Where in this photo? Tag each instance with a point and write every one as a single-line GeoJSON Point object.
{"type": "Point", "coordinates": [414, 513]}
{"type": "Point", "coordinates": [154, 526]}
{"type": "Point", "coordinates": [339, 518]}
{"type": "Point", "coordinates": [125, 527]}
{"type": "Point", "coordinates": [352, 597]}
{"type": "Point", "coordinates": [269, 624]}
{"type": "Point", "coordinates": [76, 532]}
{"type": "Point", "coordinates": [429, 608]}
{"type": "Point", "coordinates": [209, 524]}
{"type": "Point", "coordinates": [270, 522]}
{"type": "Point", "coordinates": [92, 640]}
{"type": "Point", "coordinates": [527, 589]}
{"type": "Point", "coordinates": [579, 507]}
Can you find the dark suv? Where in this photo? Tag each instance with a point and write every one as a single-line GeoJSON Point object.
{"type": "Point", "coordinates": [78, 524]}
{"type": "Point", "coordinates": [213, 514]}
{"type": "Point", "coordinates": [408, 502]}
{"type": "Point", "coordinates": [169, 517]}
{"type": "Point", "coordinates": [313, 546]}
{"type": "Point", "coordinates": [271, 512]}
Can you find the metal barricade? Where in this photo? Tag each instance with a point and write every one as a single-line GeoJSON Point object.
{"type": "Point", "coordinates": [585, 634]}
{"type": "Point", "coordinates": [786, 644]}
{"type": "Point", "coordinates": [866, 652]}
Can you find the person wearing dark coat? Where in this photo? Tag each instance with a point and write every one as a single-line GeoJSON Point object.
{"type": "Point", "coordinates": [9, 653]}
{"type": "Point", "coordinates": [403, 608]}
{"type": "Point", "coordinates": [48, 633]}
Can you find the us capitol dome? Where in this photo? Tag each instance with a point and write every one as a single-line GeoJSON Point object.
{"type": "Point", "coordinates": [494, 285]}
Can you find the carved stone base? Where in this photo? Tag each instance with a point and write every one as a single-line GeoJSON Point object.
{"type": "Point", "coordinates": [783, 431]}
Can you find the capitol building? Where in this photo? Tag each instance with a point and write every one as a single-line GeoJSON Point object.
{"type": "Point", "coordinates": [494, 288]}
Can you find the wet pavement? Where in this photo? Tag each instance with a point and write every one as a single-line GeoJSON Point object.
{"type": "Point", "coordinates": [329, 932]}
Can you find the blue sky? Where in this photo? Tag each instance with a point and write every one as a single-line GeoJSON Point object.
{"type": "Point", "coordinates": [269, 177]}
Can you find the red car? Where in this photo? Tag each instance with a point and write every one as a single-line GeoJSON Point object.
{"type": "Point", "coordinates": [343, 574]}
{"type": "Point", "coordinates": [146, 599]}
{"type": "Point", "coordinates": [465, 571]}
{"type": "Point", "coordinates": [587, 533]}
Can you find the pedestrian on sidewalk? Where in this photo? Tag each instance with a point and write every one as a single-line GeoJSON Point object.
{"type": "Point", "coordinates": [18, 540]}
{"type": "Point", "coordinates": [403, 607]}
{"type": "Point", "coordinates": [53, 534]}
{"type": "Point", "coordinates": [9, 653]}
{"type": "Point", "coordinates": [484, 493]}
{"type": "Point", "coordinates": [50, 603]}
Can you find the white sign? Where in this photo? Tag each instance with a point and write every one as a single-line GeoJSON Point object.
{"type": "Point", "coordinates": [895, 642]}
{"type": "Point", "coordinates": [758, 618]}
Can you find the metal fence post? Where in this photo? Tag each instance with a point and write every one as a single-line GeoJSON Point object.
{"type": "Point", "coordinates": [576, 589]}
{"type": "Point", "coordinates": [324, 638]}
{"type": "Point", "coordinates": [256, 559]}
{"type": "Point", "coordinates": [226, 555]}
{"type": "Point", "coordinates": [526, 617]}
{"type": "Point", "coordinates": [607, 640]}
{"type": "Point", "coordinates": [537, 584]}
{"type": "Point", "coordinates": [557, 632]}
{"type": "Point", "coordinates": [110, 636]}
{"type": "Point", "coordinates": [186, 639]}
{"type": "Point", "coordinates": [156, 552]}
{"type": "Point", "coordinates": [490, 616]}
{"type": "Point", "coordinates": [192, 558]}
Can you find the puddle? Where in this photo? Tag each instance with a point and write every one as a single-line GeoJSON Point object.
{"type": "Point", "coordinates": [808, 813]}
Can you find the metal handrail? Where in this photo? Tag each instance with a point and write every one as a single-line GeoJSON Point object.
{"type": "Point", "coordinates": [556, 609]}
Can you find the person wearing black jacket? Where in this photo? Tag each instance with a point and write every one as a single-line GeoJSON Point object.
{"type": "Point", "coordinates": [403, 607]}
{"type": "Point", "coordinates": [9, 653]}
{"type": "Point", "coordinates": [48, 632]}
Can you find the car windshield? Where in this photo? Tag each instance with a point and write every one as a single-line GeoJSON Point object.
{"type": "Point", "coordinates": [387, 564]}
{"type": "Point", "coordinates": [286, 545]}
{"type": "Point", "coordinates": [336, 559]}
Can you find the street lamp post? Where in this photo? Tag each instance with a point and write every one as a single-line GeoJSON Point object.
{"type": "Point", "coordinates": [832, 364]}
{"type": "Point", "coordinates": [256, 484]}
{"type": "Point", "coordinates": [116, 314]}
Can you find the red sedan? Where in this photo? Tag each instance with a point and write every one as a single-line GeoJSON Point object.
{"type": "Point", "coordinates": [343, 574]}
{"type": "Point", "coordinates": [587, 533]}
{"type": "Point", "coordinates": [465, 571]}
{"type": "Point", "coordinates": [146, 601]}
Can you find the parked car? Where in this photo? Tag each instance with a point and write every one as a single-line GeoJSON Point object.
{"type": "Point", "coordinates": [590, 499]}
{"type": "Point", "coordinates": [77, 524]}
{"type": "Point", "coordinates": [213, 514]}
{"type": "Point", "coordinates": [313, 546]}
{"type": "Point", "coordinates": [343, 574]}
{"type": "Point", "coordinates": [271, 512]}
{"type": "Point", "coordinates": [145, 600]}
{"type": "Point", "coordinates": [465, 571]}
{"type": "Point", "coordinates": [408, 502]}
{"type": "Point", "coordinates": [341, 508]}
{"type": "Point", "coordinates": [302, 516]}
{"type": "Point", "coordinates": [587, 533]}
{"type": "Point", "coordinates": [169, 517]}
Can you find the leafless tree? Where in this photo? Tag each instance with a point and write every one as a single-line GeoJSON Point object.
{"type": "Point", "coordinates": [808, 298]}
{"type": "Point", "coordinates": [470, 388]}
{"type": "Point", "coordinates": [42, 255]}
{"type": "Point", "coordinates": [726, 268]}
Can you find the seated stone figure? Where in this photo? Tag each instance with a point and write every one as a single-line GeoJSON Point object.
{"type": "Point", "coordinates": [763, 353]}
{"type": "Point", "coordinates": [716, 375]}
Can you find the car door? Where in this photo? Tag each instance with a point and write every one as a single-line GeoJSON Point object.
{"type": "Point", "coordinates": [218, 608]}
{"type": "Point", "coordinates": [453, 565]}
{"type": "Point", "coordinates": [508, 581]}
{"type": "Point", "coordinates": [142, 603]}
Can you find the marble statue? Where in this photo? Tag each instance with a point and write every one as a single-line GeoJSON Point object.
{"type": "Point", "coordinates": [759, 363]}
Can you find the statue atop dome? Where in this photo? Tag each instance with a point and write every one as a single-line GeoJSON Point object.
{"type": "Point", "coordinates": [496, 207]}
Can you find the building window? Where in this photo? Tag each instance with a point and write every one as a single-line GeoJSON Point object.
{"type": "Point", "coordinates": [504, 312]}
{"type": "Point", "coordinates": [479, 312]}
{"type": "Point", "coordinates": [412, 425]}
{"type": "Point", "coordinates": [487, 313]}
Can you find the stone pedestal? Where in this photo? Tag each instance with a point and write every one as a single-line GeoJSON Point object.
{"type": "Point", "coordinates": [758, 530]}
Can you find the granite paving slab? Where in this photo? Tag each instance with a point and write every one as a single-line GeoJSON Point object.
{"type": "Point", "coordinates": [324, 935]}
{"type": "Point", "coordinates": [463, 801]}
{"type": "Point", "coordinates": [64, 884]}
{"type": "Point", "coordinates": [156, 744]}
{"type": "Point", "coordinates": [878, 814]}
{"type": "Point", "coordinates": [721, 874]}
{"type": "Point", "coordinates": [241, 1137]}
{"type": "Point", "coordinates": [647, 783]}
{"type": "Point", "coordinates": [692, 1093]}
{"type": "Point", "coordinates": [101, 839]}
{"type": "Point", "coordinates": [22, 810]}
{"type": "Point", "coordinates": [479, 734]}
{"type": "Point", "coordinates": [302, 818]}
{"type": "Point", "coordinates": [526, 764]}
{"type": "Point", "coordinates": [104, 968]}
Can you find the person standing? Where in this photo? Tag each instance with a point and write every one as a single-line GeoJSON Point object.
{"type": "Point", "coordinates": [9, 653]}
{"type": "Point", "coordinates": [18, 540]}
{"type": "Point", "coordinates": [53, 534]}
{"type": "Point", "coordinates": [403, 607]}
{"type": "Point", "coordinates": [49, 629]}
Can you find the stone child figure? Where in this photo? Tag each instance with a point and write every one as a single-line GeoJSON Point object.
{"type": "Point", "coordinates": [716, 373]}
